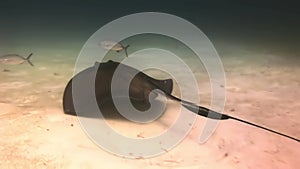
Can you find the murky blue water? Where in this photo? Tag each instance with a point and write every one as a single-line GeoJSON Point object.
{"type": "Point", "coordinates": [257, 43]}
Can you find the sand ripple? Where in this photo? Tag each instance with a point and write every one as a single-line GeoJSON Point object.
{"type": "Point", "coordinates": [13, 85]}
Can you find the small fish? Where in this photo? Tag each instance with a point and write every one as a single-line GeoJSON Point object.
{"type": "Point", "coordinates": [15, 59]}
{"type": "Point", "coordinates": [115, 46]}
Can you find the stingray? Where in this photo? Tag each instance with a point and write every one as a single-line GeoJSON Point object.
{"type": "Point", "coordinates": [140, 88]}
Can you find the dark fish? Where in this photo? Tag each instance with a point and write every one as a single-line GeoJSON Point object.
{"type": "Point", "coordinates": [139, 90]}
{"type": "Point", "coordinates": [15, 59]}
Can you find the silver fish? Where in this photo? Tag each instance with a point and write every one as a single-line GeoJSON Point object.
{"type": "Point", "coordinates": [115, 46]}
{"type": "Point", "coordinates": [15, 59]}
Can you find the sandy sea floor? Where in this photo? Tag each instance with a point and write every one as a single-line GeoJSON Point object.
{"type": "Point", "coordinates": [262, 88]}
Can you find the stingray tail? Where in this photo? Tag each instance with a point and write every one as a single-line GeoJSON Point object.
{"type": "Point", "coordinates": [207, 113]}
{"type": "Point", "coordinates": [264, 128]}
{"type": "Point", "coordinates": [28, 59]}
{"type": "Point", "coordinates": [202, 111]}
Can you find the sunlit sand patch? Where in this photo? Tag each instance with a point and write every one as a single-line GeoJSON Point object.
{"type": "Point", "coordinates": [42, 68]}
{"type": "Point", "coordinates": [6, 108]}
{"type": "Point", "coordinates": [26, 99]}
{"type": "Point", "coordinates": [233, 89]}
{"type": "Point", "coordinates": [14, 73]}
{"type": "Point", "coordinates": [14, 85]}
{"type": "Point", "coordinates": [62, 86]}
{"type": "Point", "coordinates": [231, 146]}
{"type": "Point", "coordinates": [21, 101]}
{"type": "Point", "coordinates": [55, 118]}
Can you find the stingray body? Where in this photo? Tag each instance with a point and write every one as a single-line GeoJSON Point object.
{"type": "Point", "coordinates": [140, 88]}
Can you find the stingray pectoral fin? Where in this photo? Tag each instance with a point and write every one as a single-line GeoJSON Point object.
{"type": "Point", "coordinates": [137, 93]}
{"type": "Point", "coordinates": [69, 100]}
{"type": "Point", "coordinates": [68, 105]}
{"type": "Point", "coordinates": [76, 91]}
{"type": "Point", "coordinates": [165, 85]}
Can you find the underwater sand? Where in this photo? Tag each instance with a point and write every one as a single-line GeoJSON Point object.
{"type": "Point", "coordinates": [262, 88]}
